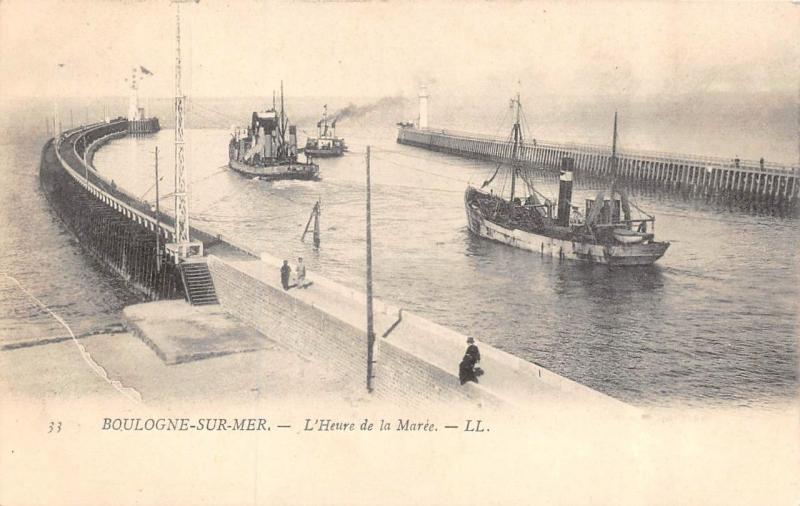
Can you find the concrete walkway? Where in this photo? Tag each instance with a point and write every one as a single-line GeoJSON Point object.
{"type": "Point", "coordinates": [175, 353]}
{"type": "Point", "coordinates": [57, 371]}
{"type": "Point", "coordinates": [179, 332]}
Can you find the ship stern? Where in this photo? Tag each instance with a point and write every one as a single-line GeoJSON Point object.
{"type": "Point", "coordinates": [636, 254]}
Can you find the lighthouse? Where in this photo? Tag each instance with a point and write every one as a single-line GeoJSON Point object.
{"type": "Point", "coordinates": [423, 107]}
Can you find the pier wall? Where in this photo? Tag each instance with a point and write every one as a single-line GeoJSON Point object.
{"type": "Point", "coordinates": [286, 319]}
{"type": "Point", "coordinates": [143, 126]}
{"type": "Point", "coordinates": [116, 232]}
{"type": "Point", "coordinates": [755, 185]}
{"type": "Point", "coordinates": [333, 336]}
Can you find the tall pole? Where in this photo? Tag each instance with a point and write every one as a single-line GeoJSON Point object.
{"type": "Point", "coordinates": [181, 175]}
{"type": "Point", "coordinates": [283, 119]}
{"type": "Point", "coordinates": [370, 329]}
{"type": "Point", "coordinates": [514, 154]}
{"type": "Point", "coordinates": [614, 149]}
{"type": "Point", "coordinates": [158, 225]}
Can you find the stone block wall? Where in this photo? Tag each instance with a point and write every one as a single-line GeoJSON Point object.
{"type": "Point", "coordinates": [289, 321]}
{"type": "Point", "coordinates": [400, 376]}
{"type": "Point", "coordinates": [409, 380]}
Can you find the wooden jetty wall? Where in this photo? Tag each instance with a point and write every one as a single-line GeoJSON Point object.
{"type": "Point", "coordinates": [116, 232]}
{"type": "Point", "coordinates": [143, 126]}
{"type": "Point", "coordinates": [114, 227]}
{"type": "Point", "coordinates": [751, 184]}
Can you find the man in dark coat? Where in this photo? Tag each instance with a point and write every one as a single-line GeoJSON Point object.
{"type": "Point", "coordinates": [286, 271]}
{"type": "Point", "coordinates": [466, 369]}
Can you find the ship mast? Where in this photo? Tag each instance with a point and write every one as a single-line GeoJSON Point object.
{"type": "Point", "coordinates": [517, 135]}
{"type": "Point", "coordinates": [614, 150]}
{"type": "Point", "coordinates": [626, 207]}
{"type": "Point", "coordinates": [283, 120]}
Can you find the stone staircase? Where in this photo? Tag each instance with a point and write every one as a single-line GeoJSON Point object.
{"type": "Point", "coordinates": [198, 283]}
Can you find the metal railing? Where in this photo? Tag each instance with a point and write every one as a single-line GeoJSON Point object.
{"type": "Point", "coordinates": [125, 209]}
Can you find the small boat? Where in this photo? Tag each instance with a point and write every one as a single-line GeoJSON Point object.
{"type": "Point", "coordinates": [606, 232]}
{"type": "Point", "coordinates": [267, 149]}
{"type": "Point", "coordinates": [326, 143]}
{"type": "Point", "coordinates": [627, 236]}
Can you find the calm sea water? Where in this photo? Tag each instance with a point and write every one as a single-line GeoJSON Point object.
{"type": "Point", "coordinates": [37, 251]}
{"type": "Point", "coordinates": [713, 322]}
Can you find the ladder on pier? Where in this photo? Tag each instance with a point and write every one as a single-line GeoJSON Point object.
{"type": "Point", "coordinates": [197, 283]}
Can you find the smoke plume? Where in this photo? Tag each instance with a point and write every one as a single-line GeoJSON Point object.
{"type": "Point", "coordinates": [356, 111]}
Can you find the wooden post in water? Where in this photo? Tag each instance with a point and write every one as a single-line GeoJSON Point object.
{"type": "Point", "coordinates": [370, 329]}
{"type": "Point", "coordinates": [316, 223]}
{"type": "Point", "coordinates": [313, 216]}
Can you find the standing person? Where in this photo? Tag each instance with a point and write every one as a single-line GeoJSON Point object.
{"type": "Point", "coordinates": [300, 271]}
{"type": "Point", "coordinates": [286, 271]}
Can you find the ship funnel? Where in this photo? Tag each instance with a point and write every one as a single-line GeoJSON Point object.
{"type": "Point", "coordinates": [565, 192]}
{"type": "Point", "coordinates": [423, 106]}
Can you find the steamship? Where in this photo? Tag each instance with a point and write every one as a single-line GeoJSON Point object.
{"type": "Point", "coordinates": [267, 149]}
{"type": "Point", "coordinates": [605, 232]}
{"type": "Point", "coordinates": [326, 143]}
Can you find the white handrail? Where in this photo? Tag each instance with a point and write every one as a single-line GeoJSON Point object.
{"type": "Point", "coordinates": [98, 192]}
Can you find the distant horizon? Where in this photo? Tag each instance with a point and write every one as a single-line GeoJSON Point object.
{"type": "Point", "coordinates": [631, 97]}
{"type": "Point", "coordinates": [376, 49]}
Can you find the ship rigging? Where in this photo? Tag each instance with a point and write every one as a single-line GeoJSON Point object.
{"type": "Point", "coordinates": [605, 232]}
{"type": "Point", "coordinates": [267, 149]}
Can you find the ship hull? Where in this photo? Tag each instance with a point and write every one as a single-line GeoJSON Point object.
{"type": "Point", "coordinates": [323, 153]}
{"type": "Point", "coordinates": [622, 255]}
{"type": "Point", "coordinates": [291, 170]}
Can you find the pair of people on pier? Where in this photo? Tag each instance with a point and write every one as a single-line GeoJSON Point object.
{"type": "Point", "coordinates": [300, 274]}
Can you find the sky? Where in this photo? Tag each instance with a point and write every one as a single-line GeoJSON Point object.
{"type": "Point", "coordinates": [244, 48]}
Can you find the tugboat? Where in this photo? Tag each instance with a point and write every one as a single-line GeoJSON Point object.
{"type": "Point", "coordinates": [604, 233]}
{"type": "Point", "coordinates": [326, 144]}
{"type": "Point", "coordinates": [267, 149]}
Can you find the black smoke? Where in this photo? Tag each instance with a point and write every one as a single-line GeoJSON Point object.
{"type": "Point", "coordinates": [356, 111]}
